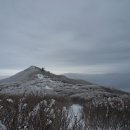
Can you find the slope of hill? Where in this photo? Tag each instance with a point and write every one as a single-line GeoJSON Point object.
{"type": "Point", "coordinates": [40, 81]}
{"type": "Point", "coordinates": [37, 99]}
{"type": "Point", "coordinates": [32, 73]}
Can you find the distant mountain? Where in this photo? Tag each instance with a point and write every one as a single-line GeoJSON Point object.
{"type": "Point", "coordinates": [3, 77]}
{"type": "Point", "coordinates": [119, 81]}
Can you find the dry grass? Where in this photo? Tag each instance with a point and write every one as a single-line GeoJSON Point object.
{"type": "Point", "coordinates": [41, 113]}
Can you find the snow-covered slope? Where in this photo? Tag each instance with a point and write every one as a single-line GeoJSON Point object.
{"type": "Point", "coordinates": [37, 99]}
{"type": "Point", "coordinates": [38, 81]}
{"type": "Point", "coordinates": [24, 76]}
{"type": "Point", "coordinates": [33, 73]}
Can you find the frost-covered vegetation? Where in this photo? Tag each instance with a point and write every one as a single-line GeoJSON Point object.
{"type": "Point", "coordinates": [33, 112]}
{"type": "Point", "coordinates": [39, 81]}
{"type": "Point", "coordinates": [36, 99]}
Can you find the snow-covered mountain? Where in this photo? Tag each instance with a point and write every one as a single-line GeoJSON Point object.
{"type": "Point", "coordinates": [37, 99]}
{"type": "Point", "coordinates": [39, 81]}
{"type": "Point", "coordinates": [32, 73]}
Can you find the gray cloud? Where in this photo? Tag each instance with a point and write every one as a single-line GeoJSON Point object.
{"type": "Point", "coordinates": [62, 35]}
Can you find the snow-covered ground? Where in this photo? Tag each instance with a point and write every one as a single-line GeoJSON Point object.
{"type": "Point", "coordinates": [10, 100]}
{"type": "Point", "coordinates": [75, 113]}
{"type": "Point", "coordinates": [76, 109]}
{"type": "Point", "coordinates": [2, 127]}
{"type": "Point", "coordinates": [37, 81]}
{"type": "Point", "coordinates": [40, 76]}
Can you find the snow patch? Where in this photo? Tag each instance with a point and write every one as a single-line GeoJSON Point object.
{"type": "Point", "coordinates": [52, 102]}
{"type": "Point", "coordinates": [10, 100]}
{"type": "Point", "coordinates": [76, 110]}
{"type": "Point", "coordinates": [2, 127]}
{"type": "Point", "coordinates": [47, 87]}
{"type": "Point", "coordinates": [40, 76]}
{"type": "Point", "coordinates": [75, 114]}
{"type": "Point", "coordinates": [45, 102]}
{"type": "Point", "coordinates": [1, 107]}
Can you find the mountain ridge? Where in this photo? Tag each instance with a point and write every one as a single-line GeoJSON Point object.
{"type": "Point", "coordinates": [39, 81]}
{"type": "Point", "coordinates": [30, 73]}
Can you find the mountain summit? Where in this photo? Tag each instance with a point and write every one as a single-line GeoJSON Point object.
{"type": "Point", "coordinates": [36, 73]}
{"type": "Point", "coordinates": [23, 76]}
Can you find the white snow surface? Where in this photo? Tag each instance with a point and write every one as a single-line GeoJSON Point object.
{"type": "Point", "coordinates": [76, 110]}
{"type": "Point", "coordinates": [10, 100]}
{"type": "Point", "coordinates": [1, 107]}
{"type": "Point", "coordinates": [47, 87]}
{"type": "Point", "coordinates": [2, 127]}
{"type": "Point", "coordinates": [75, 113]}
{"type": "Point", "coordinates": [40, 76]}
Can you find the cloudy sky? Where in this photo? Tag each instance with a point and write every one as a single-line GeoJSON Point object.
{"type": "Point", "coordinates": [81, 36]}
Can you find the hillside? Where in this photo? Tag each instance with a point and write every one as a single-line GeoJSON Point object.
{"type": "Point", "coordinates": [37, 99]}
{"type": "Point", "coordinates": [36, 80]}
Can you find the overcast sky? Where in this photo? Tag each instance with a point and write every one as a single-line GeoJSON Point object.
{"type": "Point", "coordinates": [81, 36]}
